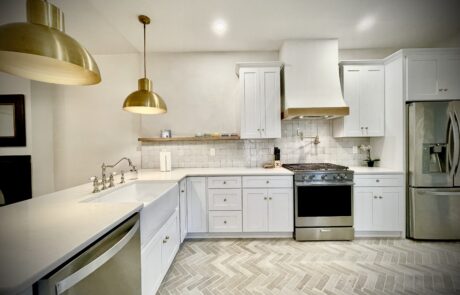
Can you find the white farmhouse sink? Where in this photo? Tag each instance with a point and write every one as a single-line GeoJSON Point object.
{"type": "Point", "coordinates": [160, 200]}
{"type": "Point", "coordinates": [142, 192]}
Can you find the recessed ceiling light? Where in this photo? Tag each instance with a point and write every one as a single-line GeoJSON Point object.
{"type": "Point", "coordinates": [365, 23]}
{"type": "Point", "coordinates": [219, 27]}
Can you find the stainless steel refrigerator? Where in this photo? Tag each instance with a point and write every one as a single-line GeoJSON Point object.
{"type": "Point", "coordinates": [434, 170]}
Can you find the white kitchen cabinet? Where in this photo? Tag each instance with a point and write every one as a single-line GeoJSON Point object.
{"type": "Point", "coordinates": [171, 242]}
{"type": "Point", "coordinates": [225, 221]}
{"type": "Point", "coordinates": [158, 255]}
{"type": "Point", "coordinates": [151, 265]}
{"type": "Point", "coordinates": [364, 93]}
{"type": "Point", "coordinates": [224, 199]}
{"type": "Point", "coordinates": [267, 210]}
{"type": "Point", "coordinates": [432, 76]}
{"type": "Point", "coordinates": [197, 205]}
{"type": "Point", "coordinates": [260, 100]}
{"type": "Point", "coordinates": [379, 204]}
{"type": "Point", "coordinates": [183, 209]}
{"type": "Point", "coordinates": [255, 210]}
{"type": "Point", "coordinates": [280, 210]}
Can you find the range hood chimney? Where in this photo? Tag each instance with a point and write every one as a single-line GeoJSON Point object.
{"type": "Point", "coordinates": [311, 80]}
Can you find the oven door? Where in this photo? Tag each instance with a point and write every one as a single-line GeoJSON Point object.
{"type": "Point", "coordinates": [322, 205]}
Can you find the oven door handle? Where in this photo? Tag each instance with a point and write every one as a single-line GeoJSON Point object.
{"type": "Point", "coordinates": [350, 183]}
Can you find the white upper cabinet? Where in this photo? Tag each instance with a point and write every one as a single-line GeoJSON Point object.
{"type": "Point", "coordinates": [363, 91]}
{"type": "Point", "coordinates": [260, 100]}
{"type": "Point", "coordinates": [432, 76]}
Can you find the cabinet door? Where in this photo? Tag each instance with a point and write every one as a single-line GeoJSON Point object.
{"type": "Point", "coordinates": [271, 102]}
{"type": "Point", "coordinates": [422, 78]}
{"type": "Point", "coordinates": [170, 242]}
{"type": "Point", "coordinates": [372, 100]}
{"type": "Point", "coordinates": [280, 210]}
{"type": "Point", "coordinates": [196, 205]}
{"type": "Point", "coordinates": [183, 209]}
{"type": "Point", "coordinates": [255, 210]}
{"type": "Point", "coordinates": [250, 103]}
{"type": "Point", "coordinates": [151, 265]}
{"type": "Point", "coordinates": [363, 208]}
{"type": "Point", "coordinates": [351, 92]}
{"type": "Point", "coordinates": [450, 77]}
{"type": "Point", "coordinates": [386, 209]}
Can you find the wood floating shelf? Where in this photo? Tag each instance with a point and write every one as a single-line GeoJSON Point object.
{"type": "Point", "coordinates": [189, 138]}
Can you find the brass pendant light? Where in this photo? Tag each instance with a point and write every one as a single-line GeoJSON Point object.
{"type": "Point", "coordinates": [40, 50]}
{"type": "Point", "coordinates": [145, 101]}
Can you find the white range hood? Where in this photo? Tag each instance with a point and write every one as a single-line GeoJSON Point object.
{"type": "Point", "coordinates": [311, 80]}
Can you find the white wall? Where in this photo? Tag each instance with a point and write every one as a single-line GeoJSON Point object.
{"type": "Point", "coordinates": [453, 42]}
{"type": "Point", "coordinates": [90, 126]}
{"type": "Point", "coordinates": [200, 90]}
{"type": "Point", "coordinates": [43, 137]}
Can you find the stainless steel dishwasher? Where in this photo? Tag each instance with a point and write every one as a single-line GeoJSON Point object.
{"type": "Point", "coordinates": [112, 265]}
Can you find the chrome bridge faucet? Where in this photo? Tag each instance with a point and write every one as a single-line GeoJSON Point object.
{"type": "Point", "coordinates": [109, 182]}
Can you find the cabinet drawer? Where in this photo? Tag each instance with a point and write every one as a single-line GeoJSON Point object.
{"type": "Point", "coordinates": [224, 182]}
{"type": "Point", "coordinates": [225, 221]}
{"type": "Point", "coordinates": [267, 181]}
{"type": "Point", "coordinates": [379, 180]}
{"type": "Point", "coordinates": [224, 199]}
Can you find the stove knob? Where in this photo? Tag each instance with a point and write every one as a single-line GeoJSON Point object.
{"type": "Point", "coordinates": [336, 177]}
{"type": "Point", "coordinates": [323, 177]}
{"type": "Point", "coordinates": [311, 177]}
{"type": "Point", "coordinates": [343, 176]}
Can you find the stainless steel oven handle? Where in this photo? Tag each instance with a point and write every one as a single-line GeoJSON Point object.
{"type": "Point", "coordinates": [348, 183]}
{"type": "Point", "coordinates": [88, 269]}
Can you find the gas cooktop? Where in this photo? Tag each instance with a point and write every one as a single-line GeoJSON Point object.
{"type": "Point", "coordinates": [307, 167]}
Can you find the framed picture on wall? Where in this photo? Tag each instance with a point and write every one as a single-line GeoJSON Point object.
{"type": "Point", "coordinates": [12, 120]}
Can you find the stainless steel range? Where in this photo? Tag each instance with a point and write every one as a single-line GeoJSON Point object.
{"type": "Point", "coordinates": [323, 201]}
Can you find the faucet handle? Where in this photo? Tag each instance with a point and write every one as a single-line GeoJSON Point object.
{"type": "Point", "coordinates": [95, 181]}
{"type": "Point", "coordinates": [122, 178]}
{"type": "Point", "coordinates": [111, 182]}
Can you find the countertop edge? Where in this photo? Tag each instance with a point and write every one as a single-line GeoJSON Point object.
{"type": "Point", "coordinates": [56, 264]}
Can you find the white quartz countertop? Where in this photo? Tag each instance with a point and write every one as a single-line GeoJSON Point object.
{"type": "Point", "coordinates": [359, 170]}
{"type": "Point", "coordinates": [180, 173]}
{"type": "Point", "coordinates": [38, 235]}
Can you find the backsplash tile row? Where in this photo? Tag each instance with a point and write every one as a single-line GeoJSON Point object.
{"type": "Point", "coordinates": [257, 152]}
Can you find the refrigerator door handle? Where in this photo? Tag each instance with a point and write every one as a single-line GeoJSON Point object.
{"type": "Point", "coordinates": [456, 129]}
{"type": "Point", "coordinates": [453, 138]}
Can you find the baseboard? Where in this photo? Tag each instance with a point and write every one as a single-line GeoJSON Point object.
{"type": "Point", "coordinates": [378, 234]}
{"type": "Point", "coordinates": [280, 235]}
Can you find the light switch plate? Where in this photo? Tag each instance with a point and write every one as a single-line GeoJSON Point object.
{"type": "Point", "coordinates": [212, 152]}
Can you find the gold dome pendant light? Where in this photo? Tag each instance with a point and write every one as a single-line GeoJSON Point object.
{"type": "Point", "coordinates": [145, 101]}
{"type": "Point", "coordinates": [40, 50]}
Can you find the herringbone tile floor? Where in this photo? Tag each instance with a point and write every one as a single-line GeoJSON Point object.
{"type": "Point", "coordinates": [283, 266]}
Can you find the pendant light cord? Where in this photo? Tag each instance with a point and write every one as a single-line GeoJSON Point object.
{"type": "Point", "coordinates": [145, 65]}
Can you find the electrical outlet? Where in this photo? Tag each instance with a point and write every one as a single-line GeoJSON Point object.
{"type": "Point", "coordinates": [355, 149]}
{"type": "Point", "coordinates": [212, 152]}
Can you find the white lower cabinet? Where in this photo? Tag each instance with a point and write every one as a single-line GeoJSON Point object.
{"type": "Point", "coordinates": [224, 221]}
{"type": "Point", "coordinates": [268, 210]}
{"type": "Point", "coordinates": [151, 266]}
{"type": "Point", "coordinates": [379, 208]}
{"type": "Point", "coordinates": [197, 205]}
{"type": "Point", "coordinates": [159, 253]}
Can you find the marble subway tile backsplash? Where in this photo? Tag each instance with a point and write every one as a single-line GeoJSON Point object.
{"type": "Point", "coordinates": [257, 152]}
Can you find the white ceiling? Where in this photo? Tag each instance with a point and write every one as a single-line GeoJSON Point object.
{"type": "Point", "coordinates": [111, 26]}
